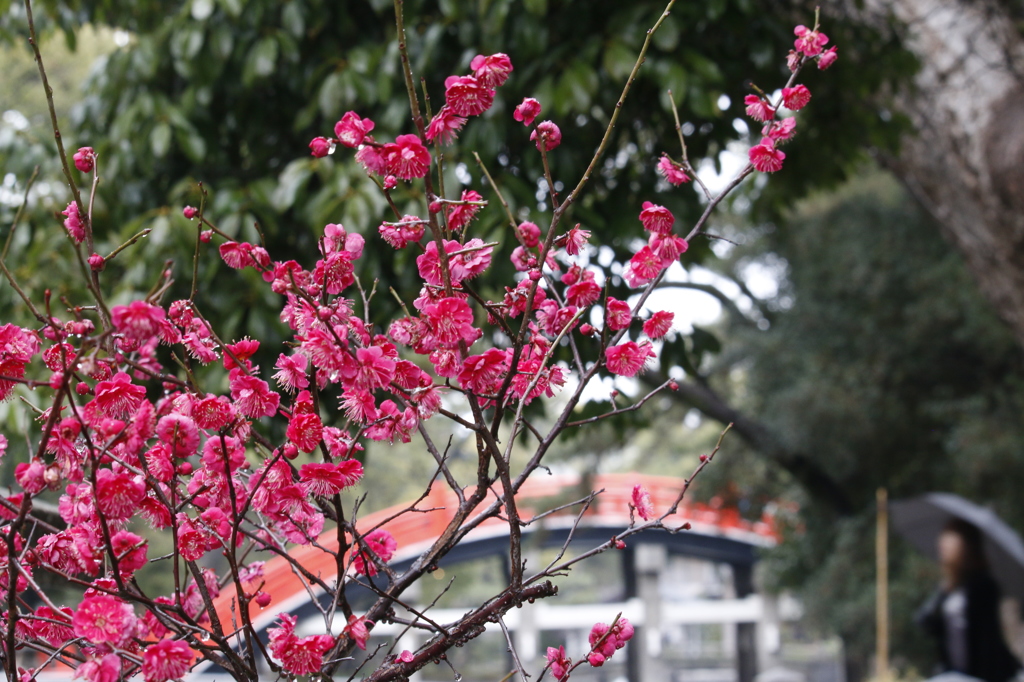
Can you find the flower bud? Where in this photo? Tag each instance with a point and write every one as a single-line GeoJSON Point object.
{"type": "Point", "coordinates": [85, 159]}
{"type": "Point", "coordinates": [190, 212]}
{"type": "Point", "coordinates": [390, 182]}
{"type": "Point", "coordinates": [206, 236]}
{"type": "Point", "coordinates": [96, 262]}
{"type": "Point", "coordinates": [320, 147]}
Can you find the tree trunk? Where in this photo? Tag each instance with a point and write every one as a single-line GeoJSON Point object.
{"type": "Point", "coordinates": [965, 160]}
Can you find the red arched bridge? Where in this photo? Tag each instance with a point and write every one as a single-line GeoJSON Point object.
{"type": "Point", "coordinates": [639, 582]}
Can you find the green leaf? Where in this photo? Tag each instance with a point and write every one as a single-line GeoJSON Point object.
{"type": "Point", "coordinates": [291, 180]}
{"type": "Point", "coordinates": [160, 139]}
{"type": "Point", "coordinates": [202, 9]}
{"type": "Point", "coordinates": [619, 60]}
{"type": "Point", "coordinates": [186, 43]}
{"type": "Point", "coordinates": [261, 60]}
{"type": "Point", "coordinates": [292, 19]}
{"type": "Point", "coordinates": [667, 36]}
{"type": "Point", "coordinates": [191, 142]}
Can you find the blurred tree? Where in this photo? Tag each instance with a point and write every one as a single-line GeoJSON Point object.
{"type": "Point", "coordinates": [882, 365]}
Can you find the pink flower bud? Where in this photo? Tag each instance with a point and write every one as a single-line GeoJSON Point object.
{"type": "Point", "coordinates": [828, 58]}
{"type": "Point", "coordinates": [263, 599]}
{"type": "Point", "coordinates": [390, 182]}
{"type": "Point", "coordinates": [82, 388]}
{"type": "Point", "coordinates": [595, 659]}
{"type": "Point", "coordinates": [435, 207]}
{"type": "Point", "coordinates": [547, 132]}
{"type": "Point", "coordinates": [206, 236]}
{"type": "Point", "coordinates": [189, 212]}
{"type": "Point", "coordinates": [586, 329]}
{"type": "Point", "coordinates": [527, 111]}
{"type": "Point", "coordinates": [96, 262]}
{"type": "Point", "coordinates": [535, 275]}
{"type": "Point", "coordinates": [85, 159]}
{"type": "Point", "coordinates": [529, 233]}
{"type": "Point", "coordinates": [320, 147]}
{"type": "Point", "coordinates": [290, 451]}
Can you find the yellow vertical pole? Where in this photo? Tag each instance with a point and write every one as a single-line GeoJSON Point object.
{"type": "Point", "coordinates": [882, 586]}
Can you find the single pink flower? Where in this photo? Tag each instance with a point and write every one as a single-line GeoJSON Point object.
{"type": "Point", "coordinates": [481, 372]}
{"type": "Point", "coordinates": [73, 223]}
{"type": "Point", "coordinates": [584, 292]}
{"type": "Point", "coordinates": [492, 71]}
{"type": "Point", "coordinates": [643, 267]}
{"type": "Point", "coordinates": [253, 397]}
{"type": "Point", "coordinates": [444, 127]}
{"type": "Point", "coordinates": [779, 130]}
{"type": "Point", "coordinates": [548, 134]}
{"type": "Point", "coordinates": [180, 433]}
{"type": "Point", "coordinates": [351, 130]}
{"type": "Point", "coordinates": [758, 108]}
{"type": "Point", "coordinates": [628, 358]}
{"type": "Point", "coordinates": [659, 324]}
{"type": "Point", "coordinates": [450, 321]}
{"type": "Point", "coordinates": [118, 494]}
{"type": "Point", "coordinates": [324, 479]}
{"type": "Point", "coordinates": [105, 669]}
{"type": "Point", "coordinates": [291, 372]}
{"type": "Point", "coordinates": [467, 96]}
{"type": "Point", "coordinates": [809, 42]}
{"type": "Point", "coordinates": [379, 543]}
{"type": "Point", "coordinates": [459, 215]}
{"type": "Point", "coordinates": [118, 397]}
{"type": "Point", "coordinates": [617, 314]}
{"type": "Point", "coordinates": [529, 234]}
{"type": "Point", "coordinates": [657, 219]}
{"type": "Point", "coordinates": [765, 157]}
{"type": "Point", "coordinates": [305, 430]}
{"type": "Point", "coordinates": [166, 660]}
{"type": "Point", "coordinates": [558, 662]}
{"type": "Point", "coordinates": [641, 501]}
{"type": "Point", "coordinates": [138, 321]}
{"type": "Point", "coordinates": [373, 159]}
{"type": "Point", "coordinates": [796, 98]}
{"type": "Point", "coordinates": [527, 111]}
{"type": "Point", "coordinates": [408, 230]}
{"type": "Point", "coordinates": [576, 239]}
{"type": "Point", "coordinates": [359, 630]}
{"type": "Point", "coordinates": [130, 550]}
{"type": "Point", "coordinates": [406, 157]}
{"type": "Point", "coordinates": [103, 619]}
{"type": "Point", "coordinates": [672, 171]}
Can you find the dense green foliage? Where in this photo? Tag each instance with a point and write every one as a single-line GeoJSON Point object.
{"type": "Point", "coordinates": [885, 366]}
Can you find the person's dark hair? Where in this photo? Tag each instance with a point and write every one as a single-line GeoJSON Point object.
{"type": "Point", "coordinates": [973, 560]}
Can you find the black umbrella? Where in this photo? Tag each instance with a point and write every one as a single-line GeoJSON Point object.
{"type": "Point", "coordinates": [921, 520]}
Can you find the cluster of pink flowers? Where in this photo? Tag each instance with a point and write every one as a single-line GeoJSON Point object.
{"type": "Point", "coordinates": [126, 437]}
{"type": "Point", "coordinates": [766, 156]}
{"type": "Point", "coordinates": [604, 642]}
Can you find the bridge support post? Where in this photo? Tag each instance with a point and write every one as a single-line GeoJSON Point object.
{"type": "Point", "coordinates": [746, 633]}
{"type": "Point", "coordinates": [649, 562]}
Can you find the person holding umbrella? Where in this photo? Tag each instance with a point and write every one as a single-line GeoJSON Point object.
{"type": "Point", "coordinates": [963, 615]}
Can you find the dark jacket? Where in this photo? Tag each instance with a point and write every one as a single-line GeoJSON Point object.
{"type": "Point", "coordinates": [988, 657]}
